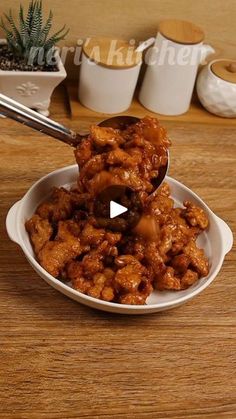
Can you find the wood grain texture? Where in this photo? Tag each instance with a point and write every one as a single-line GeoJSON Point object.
{"type": "Point", "coordinates": [61, 360]}
{"type": "Point", "coordinates": [139, 19]}
{"type": "Point", "coordinates": [226, 69]}
{"type": "Point", "coordinates": [181, 31]}
{"type": "Point", "coordinates": [105, 45]}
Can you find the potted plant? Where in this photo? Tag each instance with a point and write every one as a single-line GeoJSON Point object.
{"type": "Point", "coordinates": [30, 65]}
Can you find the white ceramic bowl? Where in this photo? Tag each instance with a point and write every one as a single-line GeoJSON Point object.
{"type": "Point", "coordinates": [216, 241]}
{"type": "Point", "coordinates": [218, 96]}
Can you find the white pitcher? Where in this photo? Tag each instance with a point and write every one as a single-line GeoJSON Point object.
{"type": "Point", "coordinates": [172, 67]}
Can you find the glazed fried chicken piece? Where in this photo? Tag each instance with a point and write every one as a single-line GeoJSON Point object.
{"type": "Point", "coordinates": [197, 257]}
{"type": "Point", "coordinates": [167, 280]}
{"type": "Point", "coordinates": [91, 235]}
{"type": "Point", "coordinates": [119, 157]}
{"type": "Point", "coordinates": [164, 189]}
{"type": "Point", "coordinates": [55, 254]}
{"type": "Point", "coordinates": [84, 152]}
{"type": "Point", "coordinates": [188, 279]}
{"type": "Point", "coordinates": [62, 204]}
{"type": "Point", "coordinates": [128, 278]}
{"type": "Point", "coordinates": [180, 263]}
{"type": "Point", "coordinates": [103, 136]}
{"type": "Point", "coordinates": [134, 246]}
{"type": "Point", "coordinates": [178, 230]}
{"type": "Point", "coordinates": [131, 280]}
{"type": "Point", "coordinates": [74, 273]}
{"type": "Point", "coordinates": [113, 237]}
{"type": "Point", "coordinates": [132, 179]}
{"type": "Point", "coordinates": [93, 261]}
{"type": "Point", "coordinates": [94, 165]}
{"type": "Point", "coordinates": [152, 137]}
{"type": "Point", "coordinates": [161, 207]}
{"type": "Point", "coordinates": [153, 131]}
{"type": "Point", "coordinates": [195, 215]}
{"type": "Point", "coordinates": [129, 275]}
{"type": "Point", "coordinates": [101, 288]}
{"type": "Point", "coordinates": [101, 181]}
{"type": "Point", "coordinates": [40, 231]}
{"type": "Point", "coordinates": [187, 276]}
{"type": "Point", "coordinates": [117, 176]}
{"type": "Point", "coordinates": [135, 139]}
{"type": "Point", "coordinates": [97, 286]}
{"type": "Point", "coordinates": [167, 238]}
{"type": "Point", "coordinates": [154, 258]}
{"type": "Point", "coordinates": [59, 207]}
{"type": "Point", "coordinates": [137, 298]}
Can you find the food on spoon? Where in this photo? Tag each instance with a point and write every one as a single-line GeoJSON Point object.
{"type": "Point", "coordinates": [131, 157]}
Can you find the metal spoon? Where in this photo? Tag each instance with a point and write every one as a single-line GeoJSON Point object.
{"type": "Point", "coordinates": [26, 116]}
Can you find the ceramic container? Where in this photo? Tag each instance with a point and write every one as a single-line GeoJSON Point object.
{"type": "Point", "coordinates": [216, 88]}
{"type": "Point", "coordinates": [172, 67]}
{"type": "Point", "coordinates": [107, 80]}
{"type": "Point", "coordinates": [216, 241]}
{"type": "Point", "coordinates": [32, 88]}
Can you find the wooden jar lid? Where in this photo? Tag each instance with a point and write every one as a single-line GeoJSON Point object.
{"type": "Point", "coordinates": [101, 51]}
{"type": "Point", "coordinates": [225, 69]}
{"type": "Point", "coordinates": [181, 31]}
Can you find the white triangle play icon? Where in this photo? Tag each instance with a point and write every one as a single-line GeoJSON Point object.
{"type": "Point", "coordinates": [116, 209]}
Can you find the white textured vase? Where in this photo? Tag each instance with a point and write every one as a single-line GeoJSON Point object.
{"type": "Point", "coordinates": [218, 96]}
{"type": "Point", "coordinates": [32, 88]}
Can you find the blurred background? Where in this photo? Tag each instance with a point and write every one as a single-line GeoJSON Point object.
{"type": "Point", "coordinates": [138, 19]}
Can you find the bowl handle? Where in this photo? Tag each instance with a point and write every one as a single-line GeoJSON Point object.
{"type": "Point", "coordinates": [11, 223]}
{"type": "Point", "coordinates": [226, 234]}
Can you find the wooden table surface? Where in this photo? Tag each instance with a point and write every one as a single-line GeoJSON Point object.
{"type": "Point", "coordinates": [60, 359]}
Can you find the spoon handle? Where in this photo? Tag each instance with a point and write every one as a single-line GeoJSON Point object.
{"type": "Point", "coordinates": [26, 116]}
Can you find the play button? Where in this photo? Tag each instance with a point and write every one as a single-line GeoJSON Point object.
{"type": "Point", "coordinates": [117, 208]}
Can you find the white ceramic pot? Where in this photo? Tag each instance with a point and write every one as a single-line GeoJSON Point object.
{"type": "Point", "coordinates": [32, 88]}
{"type": "Point", "coordinates": [106, 90]}
{"type": "Point", "coordinates": [170, 76]}
{"type": "Point", "coordinates": [109, 73]}
{"type": "Point", "coordinates": [216, 242]}
{"type": "Point", "coordinates": [218, 96]}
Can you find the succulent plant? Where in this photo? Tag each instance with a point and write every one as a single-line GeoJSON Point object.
{"type": "Point", "coordinates": [31, 37]}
